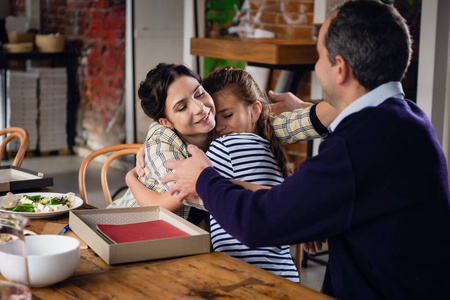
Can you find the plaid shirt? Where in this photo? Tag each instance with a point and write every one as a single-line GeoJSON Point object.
{"type": "Point", "coordinates": [162, 144]}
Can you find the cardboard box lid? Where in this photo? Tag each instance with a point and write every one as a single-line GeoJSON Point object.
{"type": "Point", "coordinates": [16, 179]}
{"type": "Point", "coordinates": [84, 222]}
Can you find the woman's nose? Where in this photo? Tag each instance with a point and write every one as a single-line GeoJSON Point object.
{"type": "Point", "coordinates": [198, 106]}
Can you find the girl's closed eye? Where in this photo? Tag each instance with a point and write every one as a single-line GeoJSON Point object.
{"type": "Point", "coordinates": [228, 116]}
{"type": "Point", "coordinates": [200, 93]}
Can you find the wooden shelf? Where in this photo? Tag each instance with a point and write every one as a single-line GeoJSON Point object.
{"type": "Point", "coordinates": [272, 51]}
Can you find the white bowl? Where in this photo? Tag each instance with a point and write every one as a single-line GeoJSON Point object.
{"type": "Point", "coordinates": [51, 259]}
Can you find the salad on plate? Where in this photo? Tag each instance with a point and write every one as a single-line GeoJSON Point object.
{"type": "Point", "coordinates": [38, 203]}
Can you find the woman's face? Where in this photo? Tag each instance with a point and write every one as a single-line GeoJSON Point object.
{"type": "Point", "coordinates": [189, 108]}
{"type": "Point", "coordinates": [233, 115]}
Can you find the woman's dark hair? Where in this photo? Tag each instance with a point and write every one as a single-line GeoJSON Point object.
{"type": "Point", "coordinates": [373, 38]}
{"type": "Point", "coordinates": [153, 90]}
{"type": "Point", "coordinates": [242, 85]}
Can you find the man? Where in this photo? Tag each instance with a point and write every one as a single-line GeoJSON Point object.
{"type": "Point", "coordinates": [378, 189]}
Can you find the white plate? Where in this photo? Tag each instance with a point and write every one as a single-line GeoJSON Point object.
{"type": "Point", "coordinates": [41, 215]}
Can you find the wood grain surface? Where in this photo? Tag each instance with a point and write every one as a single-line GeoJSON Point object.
{"type": "Point", "coordinates": [206, 276]}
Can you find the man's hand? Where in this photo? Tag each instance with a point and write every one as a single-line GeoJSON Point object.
{"type": "Point", "coordinates": [286, 102]}
{"type": "Point", "coordinates": [186, 172]}
{"type": "Point", "coordinates": [140, 161]}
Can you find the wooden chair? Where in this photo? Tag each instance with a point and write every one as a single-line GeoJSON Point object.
{"type": "Point", "coordinates": [117, 151]}
{"type": "Point", "coordinates": [298, 260]}
{"type": "Point", "coordinates": [11, 133]}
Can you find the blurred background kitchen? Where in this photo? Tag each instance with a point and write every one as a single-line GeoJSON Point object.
{"type": "Point", "coordinates": [70, 69]}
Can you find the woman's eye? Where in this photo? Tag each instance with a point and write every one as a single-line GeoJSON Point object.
{"type": "Point", "coordinates": [181, 108]}
{"type": "Point", "coordinates": [228, 116]}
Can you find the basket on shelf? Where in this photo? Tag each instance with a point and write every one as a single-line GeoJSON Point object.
{"type": "Point", "coordinates": [18, 47]}
{"type": "Point", "coordinates": [50, 43]}
{"type": "Point", "coordinates": [21, 37]}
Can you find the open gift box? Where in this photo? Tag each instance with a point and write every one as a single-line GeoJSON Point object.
{"type": "Point", "coordinates": [84, 224]}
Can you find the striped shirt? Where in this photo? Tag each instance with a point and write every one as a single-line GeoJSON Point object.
{"type": "Point", "coordinates": [247, 157]}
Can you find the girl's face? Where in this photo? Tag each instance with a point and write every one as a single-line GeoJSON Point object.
{"type": "Point", "coordinates": [234, 115]}
{"type": "Point", "coordinates": [189, 109]}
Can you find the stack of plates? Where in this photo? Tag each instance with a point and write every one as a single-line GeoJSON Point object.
{"type": "Point", "coordinates": [53, 109]}
{"type": "Point", "coordinates": [22, 105]}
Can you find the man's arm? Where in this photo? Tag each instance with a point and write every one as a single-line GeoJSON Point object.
{"type": "Point", "coordinates": [298, 210]}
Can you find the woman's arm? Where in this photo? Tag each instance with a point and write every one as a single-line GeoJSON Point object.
{"type": "Point", "coordinates": [287, 102]}
{"type": "Point", "coordinates": [142, 197]}
{"type": "Point", "coordinates": [147, 197]}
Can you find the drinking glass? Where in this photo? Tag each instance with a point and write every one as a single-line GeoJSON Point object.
{"type": "Point", "coordinates": [13, 225]}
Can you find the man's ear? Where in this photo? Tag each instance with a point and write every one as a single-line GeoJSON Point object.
{"type": "Point", "coordinates": [342, 68]}
{"type": "Point", "coordinates": [256, 109]}
{"type": "Point", "coordinates": [166, 123]}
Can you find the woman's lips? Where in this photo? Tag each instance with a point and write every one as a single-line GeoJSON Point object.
{"type": "Point", "coordinates": [204, 119]}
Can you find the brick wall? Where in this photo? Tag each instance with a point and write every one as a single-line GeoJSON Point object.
{"type": "Point", "coordinates": [288, 19]}
{"type": "Point", "coordinates": [292, 19]}
{"type": "Point", "coordinates": [95, 29]}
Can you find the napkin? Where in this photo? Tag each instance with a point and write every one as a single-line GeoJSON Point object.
{"type": "Point", "coordinates": [54, 228]}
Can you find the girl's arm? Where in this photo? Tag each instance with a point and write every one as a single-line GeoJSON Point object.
{"type": "Point", "coordinates": [250, 186]}
{"type": "Point", "coordinates": [147, 197]}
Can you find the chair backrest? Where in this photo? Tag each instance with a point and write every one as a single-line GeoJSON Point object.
{"type": "Point", "coordinates": [11, 133]}
{"type": "Point", "coordinates": [116, 151]}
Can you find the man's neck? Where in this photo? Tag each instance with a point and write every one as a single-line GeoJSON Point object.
{"type": "Point", "coordinates": [350, 94]}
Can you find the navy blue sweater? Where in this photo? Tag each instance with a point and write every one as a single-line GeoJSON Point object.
{"type": "Point", "coordinates": [378, 190]}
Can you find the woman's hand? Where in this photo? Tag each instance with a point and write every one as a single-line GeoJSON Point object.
{"type": "Point", "coordinates": [140, 161]}
{"type": "Point", "coordinates": [186, 172]}
{"type": "Point", "coordinates": [285, 102]}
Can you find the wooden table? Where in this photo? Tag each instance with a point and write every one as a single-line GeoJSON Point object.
{"type": "Point", "coordinates": [206, 276]}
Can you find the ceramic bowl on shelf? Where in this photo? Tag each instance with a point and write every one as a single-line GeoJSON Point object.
{"type": "Point", "coordinates": [51, 259]}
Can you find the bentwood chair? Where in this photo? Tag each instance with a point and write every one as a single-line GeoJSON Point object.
{"type": "Point", "coordinates": [10, 134]}
{"type": "Point", "coordinates": [298, 257]}
{"type": "Point", "coordinates": [113, 152]}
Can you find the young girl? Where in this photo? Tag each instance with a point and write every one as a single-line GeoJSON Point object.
{"type": "Point", "coordinates": [247, 150]}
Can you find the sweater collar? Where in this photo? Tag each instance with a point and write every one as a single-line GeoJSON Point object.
{"type": "Point", "coordinates": [375, 97]}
